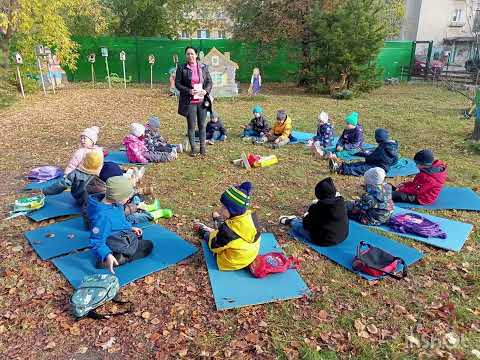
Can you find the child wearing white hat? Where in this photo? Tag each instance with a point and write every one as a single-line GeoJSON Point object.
{"type": "Point", "coordinates": [88, 140]}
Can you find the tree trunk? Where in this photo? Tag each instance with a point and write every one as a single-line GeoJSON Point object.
{"type": "Point", "coordinates": [4, 52]}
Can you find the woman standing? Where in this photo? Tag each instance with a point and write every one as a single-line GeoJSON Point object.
{"type": "Point", "coordinates": [194, 83]}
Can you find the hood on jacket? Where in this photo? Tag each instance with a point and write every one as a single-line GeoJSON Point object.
{"type": "Point", "coordinates": [244, 226]}
{"type": "Point", "coordinates": [325, 189]}
{"type": "Point", "coordinates": [381, 135]}
{"type": "Point", "coordinates": [437, 171]}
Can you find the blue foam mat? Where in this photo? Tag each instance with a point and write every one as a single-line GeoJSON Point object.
{"type": "Point", "coordinates": [344, 253]}
{"type": "Point", "coordinates": [62, 204]}
{"type": "Point", "coordinates": [348, 155]}
{"type": "Point", "coordinates": [404, 167]}
{"type": "Point", "coordinates": [120, 158]}
{"type": "Point", "coordinates": [301, 137]}
{"type": "Point", "coordinates": [457, 232]}
{"type": "Point", "coordinates": [39, 185]}
{"type": "Point", "coordinates": [234, 289]}
{"type": "Point", "coordinates": [168, 249]}
{"type": "Point", "coordinates": [450, 198]}
{"type": "Point", "coordinates": [69, 235]}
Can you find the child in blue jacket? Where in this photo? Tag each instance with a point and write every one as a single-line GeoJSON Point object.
{"type": "Point", "coordinates": [352, 136]}
{"type": "Point", "coordinates": [113, 239]}
{"type": "Point", "coordinates": [325, 135]}
{"type": "Point", "coordinates": [383, 156]}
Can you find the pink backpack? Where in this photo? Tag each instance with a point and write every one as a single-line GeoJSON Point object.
{"type": "Point", "coordinates": [273, 262]}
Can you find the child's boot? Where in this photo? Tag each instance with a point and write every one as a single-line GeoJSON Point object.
{"type": "Point", "coordinates": [161, 213]}
{"type": "Point", "coordinates": [151, 207]}
{"type": "Point", "coordinates": [333, 165]}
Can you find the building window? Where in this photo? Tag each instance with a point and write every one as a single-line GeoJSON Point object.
{"type": "Point", "coordinates": [215, 60]}
{"type": "Point", "coordinates": [457, 16]}
{"type": "Point", "coordinates": [185, 35]}
{"type": "Point", "coordinates": [203, 34]}
{"type": "Point", "coordinates": [217, 79]}
{"type": "Point", "coordinates": [221, 34]}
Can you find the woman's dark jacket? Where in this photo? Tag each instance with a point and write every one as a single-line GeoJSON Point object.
{"type": "Point", "coordinates": [183, 82]}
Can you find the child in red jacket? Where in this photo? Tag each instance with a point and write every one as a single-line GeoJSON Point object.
{"type": "Point", "coordinates": [427, 184]}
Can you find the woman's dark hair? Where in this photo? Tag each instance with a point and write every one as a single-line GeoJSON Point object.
{"type": "Point", "coordinates": [191, 47]}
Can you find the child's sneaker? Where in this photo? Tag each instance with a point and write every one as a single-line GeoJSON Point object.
{"type": "Point", "coordinates": [161, 213]}
{"type": "Point", "coordinates": [286, 220]}
{"type": "Point", "coordinates": [179, 148]}
{"type": "Point", "coordinates": [247, 138]}
{"type": "Point", "coordinates": [151, 207]}
{"type": "Point", "coordinates": [333, 165]}
{"type": "Point", "coordinates": [210, 142]}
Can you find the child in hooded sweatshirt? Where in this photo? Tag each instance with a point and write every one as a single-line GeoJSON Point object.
{"type": "Point", "coordinates": [384, 156]}
{"type": "Point", "coordinates": [158, 150]}
{"type": "Point", "coordinates": [258, 127]}
{"type": "Point", "coordinates": [427, 184]}
{"type": "Point", "coordinates": [375, 207]}
{"type": "Point", "coordinates": [326, 222]}
{"type": "Point", "coordinates": [281, 130]}
{"type": "Point", "coordinates": [83, 180]}
{"type": "Point", "coordinates": [135, 145]}
{"type": "Point", "coordinates": [88, 139]}
{"type": "Point", "coordinates": [352, 136]}
{"type": "Point", "coordinates": [325, 135]}
{"type": "Point", "coordinates": [215, 129]}
{"type": "Point", "coordinates": [113, 239]}
{"type": "Point", "coordinates": [237, 241]}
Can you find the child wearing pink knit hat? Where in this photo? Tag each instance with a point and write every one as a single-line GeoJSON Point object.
{"type": "Point", "coordinates": [88, 139]}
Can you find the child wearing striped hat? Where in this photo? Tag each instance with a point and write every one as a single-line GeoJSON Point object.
{"type": "Point", "coordinates": [236, 242]}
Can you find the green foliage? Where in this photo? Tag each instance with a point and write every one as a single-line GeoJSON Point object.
{"type": "Point", "coordinates": [149, 17]}
{"type": "Point", "coordinates": [345, 41]}
{"type": "Point", "coordinates": [308, 354]}
{"type": "Point", "coordinates": [343, 95]}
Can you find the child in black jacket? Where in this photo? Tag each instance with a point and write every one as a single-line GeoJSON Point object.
{"type": "Point", "coordinates": [326, 222]}
{"type": "Point", "coordinates": [215, 129]}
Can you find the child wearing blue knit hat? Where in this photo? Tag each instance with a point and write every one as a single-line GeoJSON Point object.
{"type": "Point", "coordinates": [257, 129]}
{"type": "Point", "coordinates": [236, 242]}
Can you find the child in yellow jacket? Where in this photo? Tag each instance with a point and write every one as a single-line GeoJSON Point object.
{"type": "Point", "coordinates": [281, 130]}
{"type": "Point", "coordinates": [237, 241]}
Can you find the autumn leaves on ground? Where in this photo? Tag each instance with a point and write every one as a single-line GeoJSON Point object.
{"type": "Point", "coordinates": [434, 312]}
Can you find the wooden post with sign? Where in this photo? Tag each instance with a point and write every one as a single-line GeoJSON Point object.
{"type": "Point", "coordinates": [40, 52]}
{"type": "Point", "coordinates": [105, 55]}
{"type": "Point", "coordinates": [123, 57]}
{"type": "Point", "coordinates": [151, 61]}
{"type": "Point", "coordinates": [18, 61]}
{"type": "Point", "coordinates": [91, 60]}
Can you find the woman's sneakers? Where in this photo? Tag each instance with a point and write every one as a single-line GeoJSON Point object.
{"type": "Point", "coordinates": [286, 220]}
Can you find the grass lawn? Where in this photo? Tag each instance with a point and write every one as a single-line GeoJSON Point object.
{"type": "Point", "coordinates": [346, 317]}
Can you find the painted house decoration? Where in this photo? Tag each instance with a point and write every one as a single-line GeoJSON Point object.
{"type": "Point", "coordinates": [222, 70]}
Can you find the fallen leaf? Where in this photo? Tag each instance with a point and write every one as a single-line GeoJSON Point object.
{"type": "Point", "coordinates": [51, 316]}
{"type": "Point", "coordinates": [74, 330]}
{"type": "Point", "coordinates": [372, 329]}
{"type": "Point", "coordinates": [476, 353]}
{"type": "Point", "coordinates": [108, 344]}
{"type": "Point", "coordinates": [50, 345]}
{"type": "Point", "coordinates": [359, 325]}
{"type": "Point", "coordinates": [149, 280]}
{"type": "Point", "coordinates": [400, 309]}
{"type": "Point", "coordinates": [452, 338]}
{"type": "Point", "coordinates": [363, 334]}
{"type": "Point", "coordinates": [82, 350]}
{"type": "Point", "coordinates": [262, 324]}
{"type": "Point", "coordinates": [155, 321]}
{"type": "Point", "coordinates": [183, 352]}
{"type": "Point", "coordinates": [17, 248]}
{"type": "Point", "coordinates": [40, 291]}
{"type": "Point", "coordinates": [412, 339]}
{"type": "Point", "coordinates": [146, 315]}
{"type": "Point", "coordinates": [252, 337]}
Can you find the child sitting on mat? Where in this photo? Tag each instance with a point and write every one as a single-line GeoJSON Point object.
{"type": "Point", "coordinates": [384, 156]}
{"type": "Point", "coordinates": [215, 129]}
{"type": "Point", "coordinates": [375, 207]}
{"type": "Point", "coordinates": [326, 222]}
{"type": "Point", "coordinates": [88, 139]}
{"type": "Point", "coordinates": [158, 150]}
{"type": "Point", "coordinates": [258, 127]}
{"type": "Point", "coordinates": [325, 136]}
{"type": "Point", "coordinates": [237, 241]}
{"type": "Point", "coordinates": [351, 139]}
{"type": "Point", "coordinates": [135, 145]}
{"type": "Point", "coordinates": [113, 239]}
{"type": "Point", "coordinates": [281, 130]}
{"type": "Point", "coordinates": [82, 180]}
{"type": "Point", "coordinates": [427, 184]}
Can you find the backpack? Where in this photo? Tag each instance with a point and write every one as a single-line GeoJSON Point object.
{"type": "Point", "coordinates": [377, 262]}
{"type": "Point", "coordinates": [273, 262]}
{"type": "Point", "coordinates": [94, 291]}
{"type": "Point", "coordinates": [44, 173]}
{"type": "Point", "coordinates": [410, 223]}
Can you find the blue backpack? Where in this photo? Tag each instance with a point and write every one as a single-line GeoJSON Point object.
{"type": "Point", "coordinates": [94, 291]}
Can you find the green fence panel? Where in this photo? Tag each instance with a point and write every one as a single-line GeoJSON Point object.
{"type": "Point", "coordinates": [280, 65]}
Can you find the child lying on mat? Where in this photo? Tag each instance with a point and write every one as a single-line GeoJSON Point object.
{"type": "Point", "coordinates": [375, 207]}
{"type": "Point", "coordinates": [326, 222]}
{"type": "Point", "coordinates": [281, 130]}
{"type": "Point", "coordinates": [88, 139]}
{"type": "Point", "coordinates": [158, 150]}
{"type": "Point", "coordinates": [258, 127]}
{"type": "Point", "coordinates": [83, 180]}
{"type": "Point", "coordinates": [352, 136]}
{"type": "Point", "coordinates": [215, 129]}
{"type": "Point", "coordinates": [324, 137]}
{"type": "Point", "coordinates": [113, 239]}
{"type": "Point", "coordinates": [237, 240]}
{"type": "Point", "coordinates": [427, 184]}
{"type": "Point", "coordinates": [384, 156]}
